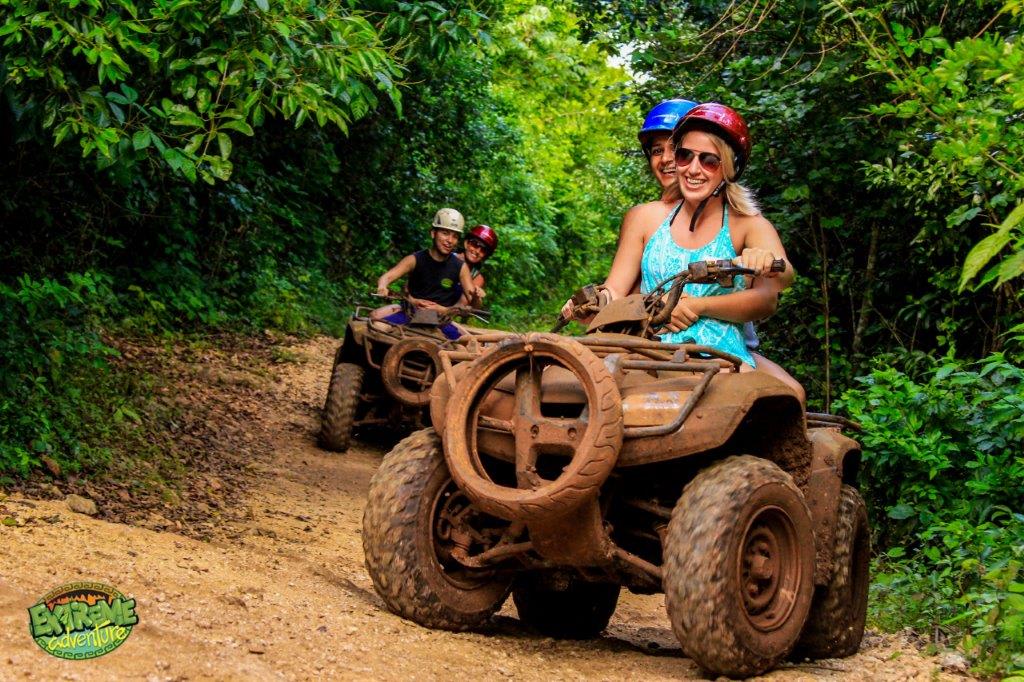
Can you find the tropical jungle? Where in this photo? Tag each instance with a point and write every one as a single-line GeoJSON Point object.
{"type": "Point", "coordinates": [186, 171]}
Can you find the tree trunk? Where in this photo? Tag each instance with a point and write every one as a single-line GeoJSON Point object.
{"type": "Point", "coordinates": [869, 291]}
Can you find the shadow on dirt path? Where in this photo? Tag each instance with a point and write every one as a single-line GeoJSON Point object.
{"type": "Point", "coordinates": [280, 592]}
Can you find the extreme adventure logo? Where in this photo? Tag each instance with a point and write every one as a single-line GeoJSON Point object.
{"type": "Point", "coordinates": [82, 620]}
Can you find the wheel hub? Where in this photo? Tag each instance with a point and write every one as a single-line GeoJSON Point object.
{"type": "Point", "coordinates": [769, 569]}
{"type": "Point", "coordinates": [460, 526]}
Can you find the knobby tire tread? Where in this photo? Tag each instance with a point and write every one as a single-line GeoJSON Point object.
{"type": "Point", "coordinates": [339, 411]}
{"type": "Point", "coordinates": [835, 626]}
{"type": "Point", "coordinates": [698, 593]}
{"type": "Point", "coordinates": [392, 531]}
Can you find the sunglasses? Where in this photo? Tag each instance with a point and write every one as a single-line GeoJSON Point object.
{"type": "Point", "coordinates": [708, 161]}
{"type": "Point", "coordinates": [477, 244]}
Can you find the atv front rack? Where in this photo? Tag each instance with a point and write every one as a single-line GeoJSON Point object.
{"type": "Point", "coordinates": [621, 354]}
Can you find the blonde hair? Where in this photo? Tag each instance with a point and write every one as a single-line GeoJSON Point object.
{"type": "Point", "coordinates": [740, 198]}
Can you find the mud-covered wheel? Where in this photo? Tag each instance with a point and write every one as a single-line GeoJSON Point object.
{"type": "Point", "coordinates": [409, 369]}
{"type": "Point", "coordinates": [564, 607]}
{"type": "Point", "coordinates": [835, 626]}
{"type": "Point", "coordinates": [340, 406]}
{"type": "Point", "coordinates": [588, 445]}
{"type": "Point", "coordinates": [739, 564]}
{"type": "Point", "coordinates": [408, 534]}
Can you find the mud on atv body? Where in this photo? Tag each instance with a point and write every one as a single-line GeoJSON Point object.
{"type": "Point", "coordinates": [563, 469]}
{"type": "Point", "coordinates": [382, 375]}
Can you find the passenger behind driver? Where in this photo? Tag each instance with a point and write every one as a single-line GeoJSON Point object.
{"type": "Point", "coordinates": [437, 277]}
{"type": "Point", "coordinates": [480, 244]}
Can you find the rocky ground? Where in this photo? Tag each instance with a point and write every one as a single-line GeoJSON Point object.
{"type": "Point", "coordinates": [253, 568]}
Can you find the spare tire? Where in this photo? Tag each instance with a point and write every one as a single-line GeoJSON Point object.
{"type": "Point", "coordinates": [592, 440]}
{"type": "Point", "coordinates": [409, 369]}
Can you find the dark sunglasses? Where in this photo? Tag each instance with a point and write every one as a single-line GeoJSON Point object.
{"type": "Point", "coordinates": [708, 161]}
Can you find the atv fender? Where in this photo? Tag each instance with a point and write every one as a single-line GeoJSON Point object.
{"type": "Point", "coordinates": [832, 454]}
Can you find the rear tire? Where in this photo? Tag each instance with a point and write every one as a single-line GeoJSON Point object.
{"type": "Point", "coordinates": [574, 609]}
{"type": "Point", "coordinates": [406, 495]}
{"type": "Point", "coordinates": [739, 566]}
{"type": "Point", "coordinates": [836, 624]}
{"type": "Point", "coordinates": [340, 407]}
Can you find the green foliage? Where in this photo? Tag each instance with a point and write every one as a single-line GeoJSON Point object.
{"type": "Point", "coordinates": [131, 82]}
{"type": "Point", "coordinates": [580, 132]}
{"type": "Point", "coordinates": [944, 470]}
{"type": "Point", "coordinates": [957, 98]}
{"type": "Point", "coordinates": [50, 350]}
{"type": "Point", "coordinates": [179, 82]}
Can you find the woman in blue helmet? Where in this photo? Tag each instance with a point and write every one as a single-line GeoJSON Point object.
{"type": "Point", "coordinates": [656, 142]}
{"type": "Point", "coordinates": [655, 138]}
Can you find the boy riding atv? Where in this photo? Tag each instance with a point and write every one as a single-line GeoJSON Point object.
{"type": "Point", "coordinates": [437, 277]}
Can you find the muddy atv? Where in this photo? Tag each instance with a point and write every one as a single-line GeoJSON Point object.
{"type": "Point", "coordinates": [382, 373]}
{"type": "Point", "coordinates": [563, 469]}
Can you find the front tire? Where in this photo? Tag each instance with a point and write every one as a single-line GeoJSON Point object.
{"type": "Point", "coordinates": [836, 624]}
{"type": "Point", "coordinates": [739, 565]}
{"type": "Point", "coordinates": [564, 607]}
{"type": "Point", "coordinates": [401, 523]}
{"type": "Point", "coordinates": [340, 407]}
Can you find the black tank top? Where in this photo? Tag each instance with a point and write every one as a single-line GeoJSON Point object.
{"type": "Point", "coordinates": [436, 281]}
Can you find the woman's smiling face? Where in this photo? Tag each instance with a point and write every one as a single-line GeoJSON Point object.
{"type": "Point", "coordinates": [476, 251]}
{"type": "Point", "coordinates": [696, 181]}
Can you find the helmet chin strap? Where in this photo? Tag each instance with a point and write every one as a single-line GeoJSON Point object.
{"type": "Point", "coordinates": [703, 204]}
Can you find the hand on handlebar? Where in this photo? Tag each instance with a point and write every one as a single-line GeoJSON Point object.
{"type": "Point", "coordinates": [685, 314]}
{"type": "Point", "coordinates": [761, 261]}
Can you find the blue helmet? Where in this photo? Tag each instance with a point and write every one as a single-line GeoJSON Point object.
{"type": "Point", "coordinates": [663, 118]}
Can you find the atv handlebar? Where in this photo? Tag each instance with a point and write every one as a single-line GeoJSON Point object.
{"type": "Point", "coordinates": [590, 299]}
{"type": "Point", "coordinates": [698, 272]}
{"type": "Point", "coordinates": [449, 312]}
{"type": "Point", "coordinates": [585, 301]}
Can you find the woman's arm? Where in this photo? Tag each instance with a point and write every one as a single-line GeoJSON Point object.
{"type": "Point", "coordinates": [477, 300]}
{"type": "Point", "coordinates": [625, 270]}
{"type": "Point", "coordinates": [761, 245]}
{"type": "Point", "coordinates": [466, 280]}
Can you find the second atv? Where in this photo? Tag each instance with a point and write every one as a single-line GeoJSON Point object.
{"type": "Point", "coordinates": [382, 373]}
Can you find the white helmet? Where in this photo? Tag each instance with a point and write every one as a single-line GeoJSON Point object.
{"type": "Point", "coordinates": [449, 219]}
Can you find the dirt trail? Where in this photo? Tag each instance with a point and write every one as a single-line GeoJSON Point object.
{"type": "Point", "coordinates": [283, 594]}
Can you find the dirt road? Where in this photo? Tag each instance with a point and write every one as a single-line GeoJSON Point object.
{"type": "Point", "coordinates": [283, 594]}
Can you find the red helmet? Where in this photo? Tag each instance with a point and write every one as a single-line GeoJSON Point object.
{"type": "Point", "coordinates": [722, 121]}
{"type": "Point", "coordinates": [485, 234]}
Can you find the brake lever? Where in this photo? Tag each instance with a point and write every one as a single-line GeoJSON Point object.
{"type": "Point", "coordinates": [724, 270]}
{"type": "Point", "coordinates": [586, 301]}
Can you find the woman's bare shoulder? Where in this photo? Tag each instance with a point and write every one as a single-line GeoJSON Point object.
{"type": "Point", "coordinates": [645, 218]}
{"type": "Point", "coordinates": [749, 223]}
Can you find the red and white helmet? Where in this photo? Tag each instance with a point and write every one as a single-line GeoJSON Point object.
{"type": "Point", "coordinates": [722, 121]}
{"type": "Point", "coordinates": [485, 234]}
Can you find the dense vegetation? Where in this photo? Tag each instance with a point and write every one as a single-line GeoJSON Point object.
{"type": "Point", "coordinates": [190, 166]}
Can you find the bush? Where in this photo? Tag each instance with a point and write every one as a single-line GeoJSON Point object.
{"type": "Point", "coordinates": [944, 474]}
{"type": "Point", "coordinates": [54, 363]}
